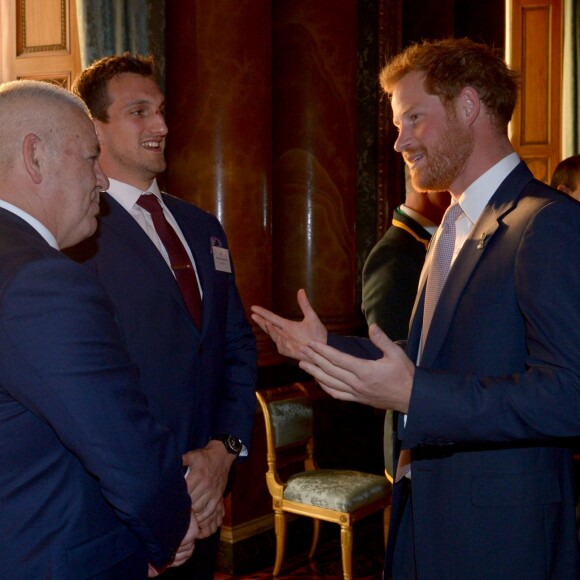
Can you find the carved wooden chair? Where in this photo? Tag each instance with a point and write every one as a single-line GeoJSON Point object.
{"type": "Point", "coordinates": [339, 496]}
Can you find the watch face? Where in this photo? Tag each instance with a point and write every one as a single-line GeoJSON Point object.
{"type": "Point", "coordinates": [233, 444]}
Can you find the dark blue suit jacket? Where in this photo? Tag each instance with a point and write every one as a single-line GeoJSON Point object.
{"type": "Point", "coordinates": [197, 383]}
{"type": "Point", "coordinates": [90, 484]}
{"type": "Point", "coordinates": [497, 393]}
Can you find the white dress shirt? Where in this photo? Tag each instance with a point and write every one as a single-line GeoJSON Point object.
{"type": "Point", "coordinates": [474, 199]}
{"type": "Point", "coordinates": [127, 196]}
{"type": "Point", "coordinates": [32, 221]}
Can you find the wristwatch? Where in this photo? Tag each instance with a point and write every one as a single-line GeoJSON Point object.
{"type": "Point", "coordinates": [232, 444]}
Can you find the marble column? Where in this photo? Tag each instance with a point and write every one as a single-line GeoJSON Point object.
{"type": "Point", "coordinates": [219, 113]}
{"type": "Point", "coordinates": [314, 166]}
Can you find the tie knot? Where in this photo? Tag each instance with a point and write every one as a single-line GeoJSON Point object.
{"type": "Point", "coordinates": [150, 202]}
{"type": "Point", "coordinates": [452, 213]}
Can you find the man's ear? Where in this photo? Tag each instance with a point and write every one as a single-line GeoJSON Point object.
{"type": "Point", "coordinates": [563, 188]}
{"type": "Point", "coordinates": [30, 154]}
{"type": "Point", "coordinates": [469, 104]}
{"type": "Point", "coordinates": [97, 125]}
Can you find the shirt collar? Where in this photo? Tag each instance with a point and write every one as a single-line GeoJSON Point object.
{"type": "Point", "coordinates": [425, 223]}
{"type": "Point", "coordinates": [127, 195]}
{"type": "Point", "coordinates": [31, 221]}
{"type": "Point", "coordinates": [474, 199]}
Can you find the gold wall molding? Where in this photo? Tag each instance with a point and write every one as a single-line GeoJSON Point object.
{"type": "Point", "coordinates": [43, 14]}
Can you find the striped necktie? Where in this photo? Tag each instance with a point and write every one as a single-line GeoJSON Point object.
{"type": "Point", "coordinates": [178, 257]}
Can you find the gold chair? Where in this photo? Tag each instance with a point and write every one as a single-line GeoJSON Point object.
{"type": "Point", "coordinates": [339, 496]}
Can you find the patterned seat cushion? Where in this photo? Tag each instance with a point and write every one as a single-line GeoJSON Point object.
{"type": "Point", "coordinates": [335, 489]}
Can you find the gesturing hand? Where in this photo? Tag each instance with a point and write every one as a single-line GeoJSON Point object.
{"type": "Point", "coordinates": [289, 335]}
{"type": "Point", "coordinates": [385, 383]}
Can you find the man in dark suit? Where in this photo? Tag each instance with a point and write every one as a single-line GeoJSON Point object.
{"type": "Point", "coordinates": [91, 485]}
{"type": "Point", "coordinates": [391, 274]}
{"type": "Point", "coordinates": [198, 370]}
{"type": "Point", "coordinates": [488, 393]}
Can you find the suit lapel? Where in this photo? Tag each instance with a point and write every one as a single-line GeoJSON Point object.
{"type": "Point", "coordinates": [474, 249]}
{"type": "Point", "coordinates": [124, 225]}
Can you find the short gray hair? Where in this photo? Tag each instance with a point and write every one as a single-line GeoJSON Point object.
{"type": "Point", "coordinates": [28, 106]}
{"type": "Point", "coordinates": [28, 89]}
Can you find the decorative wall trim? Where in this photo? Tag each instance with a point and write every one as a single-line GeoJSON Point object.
{"type": "Point", "coordinates": [233, 534]}
{"type": "Point", "coordinates": [23, 46]}
{"type": "Point", "coordinates": [390, 184]}
{"type": "Point", "coordinates": [60, 79]}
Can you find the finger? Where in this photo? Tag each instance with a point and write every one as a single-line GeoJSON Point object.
{"type": "Point", "coordinates": [332, 360]}
{"type": "Point", "coordinates": [328, 372]}
{"type": "Point", "coordinates": [266, 315]}
{"type": "Point", "coordinates": [336, 389]}
{"type": "Point", "coordinates": [260, 321]}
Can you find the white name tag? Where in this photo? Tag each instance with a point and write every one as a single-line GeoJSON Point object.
{"type": "Point", "coordinates": [221, 258]}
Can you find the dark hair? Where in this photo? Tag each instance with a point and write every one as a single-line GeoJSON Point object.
{"type": "Point", "coordinates": [567, 173]}
{"type": "Point", "coordinates": [455, 63]}
{"type": "Point", "coordinates": [91, 85]}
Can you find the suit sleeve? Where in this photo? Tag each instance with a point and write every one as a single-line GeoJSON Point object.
{"type": "Point", "coordinates": [542, 401]}
{"type": "Point", "coordinates": [237, 409]}
{"type": "Point", "coordinates": [67, 365]}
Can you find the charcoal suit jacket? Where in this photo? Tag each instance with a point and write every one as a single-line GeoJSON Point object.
{"type": "Point", "coordinates": [91, 486]}
{"type": "Point", "coordinates": [497, 395]}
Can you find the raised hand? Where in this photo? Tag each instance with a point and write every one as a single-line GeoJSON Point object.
{"type": "Point", "coordinates": [385, 383]}
{"type": "Point", "coordinates": [290, 335]}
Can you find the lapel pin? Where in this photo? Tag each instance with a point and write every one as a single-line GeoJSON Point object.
{"type": "Point", "coordinates": [481, 242]}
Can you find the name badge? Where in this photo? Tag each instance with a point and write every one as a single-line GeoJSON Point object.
{"type": "Point", "coordinates": [221, 259]}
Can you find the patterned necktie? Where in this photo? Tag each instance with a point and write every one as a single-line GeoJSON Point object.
{"type": "Point", "coordinates": [439, 269]}
{"type": "Point", "coordinates": [178, 257]}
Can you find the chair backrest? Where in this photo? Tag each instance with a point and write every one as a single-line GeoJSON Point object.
{"type": "Point", "coordinates": [288, 418]}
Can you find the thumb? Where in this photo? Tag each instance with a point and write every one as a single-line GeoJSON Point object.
{"type": "Point", "coordinates": [380, 339]}
{"type": "Point", "coordinates": [304, 304]}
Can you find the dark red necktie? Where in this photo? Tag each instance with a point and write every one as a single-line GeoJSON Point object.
{"type": "Point", "coordinates": [180, 262]}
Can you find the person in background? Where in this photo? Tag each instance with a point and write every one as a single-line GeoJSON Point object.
{"type": "Point", "coordinates": [167, 268]}
{"type": "Point", "coordinates": [487, 391]}
{"type": "Point", "coordinates": [391, 273]}
{"type": "Point", "coordinates": [91, 484]}
{"type": "Point", "coordinates": [566, 176]}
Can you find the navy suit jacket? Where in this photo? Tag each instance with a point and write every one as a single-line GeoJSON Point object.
{"type": "Point", "coordinates": [198, 383]}
{"type": "Point", "coordinates": [90, 484]}
{"type": "Point", "coordinates": [496, 396]}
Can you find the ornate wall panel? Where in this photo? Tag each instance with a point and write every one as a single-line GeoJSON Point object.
{"type": "Point", "coordinates": [39, 41]}
{"type": "Point", "coordinates": [536, 52]}
{"type": "Point", "coordinates": [42, 26]}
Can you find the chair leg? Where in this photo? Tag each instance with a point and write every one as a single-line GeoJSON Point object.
{"type": "Point", "coordinates": [346, 548]}
{"type": "Point", "coordinates": [315, 536]}
{"type": "Point", "coordinates": [280, 529]}
{"type": "Point", "coordinates": [386, 523]}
